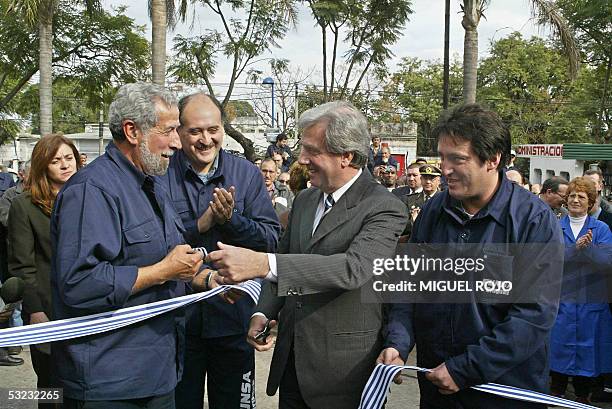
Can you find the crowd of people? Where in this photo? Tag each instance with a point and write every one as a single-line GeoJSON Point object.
{"type": "Point", "coordinates": [121, 231]}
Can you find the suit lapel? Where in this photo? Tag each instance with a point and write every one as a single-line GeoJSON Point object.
{"type": "Point", "coordinates": [339, 214]}
{"type": "Point", "coordinates": [307, 220]}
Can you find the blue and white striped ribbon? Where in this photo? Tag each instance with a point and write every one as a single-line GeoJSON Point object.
{"type": "Point", "coordinates": [106, 321]}
{"type": "Point", "coordinates": [376, 389]}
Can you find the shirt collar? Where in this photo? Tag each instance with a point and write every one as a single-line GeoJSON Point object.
{"type": "Point", "coordinates": [342, 190]}
{"type": "Point", "coordinates": [187, 168]}
{"type": "Point", "coordinates": [115, 154]}
{"type": "Point", "coordinates": [496, 208]}
{"type": "Point", "coordinates": [205, 177]}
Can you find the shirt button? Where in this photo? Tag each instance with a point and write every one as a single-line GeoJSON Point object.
{"type": "Point", "coordinates": [298, 305]}
{"type": "Point", "coordinates": [464, 236]}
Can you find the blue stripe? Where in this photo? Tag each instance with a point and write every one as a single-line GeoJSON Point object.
{"type": "Point", "coordinates": [376, 388]}
{"type": "Point", "coordinates": [106, 321]}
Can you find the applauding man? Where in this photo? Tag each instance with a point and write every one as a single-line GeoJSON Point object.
{"type": "Point", "coordinates": [220, 197]}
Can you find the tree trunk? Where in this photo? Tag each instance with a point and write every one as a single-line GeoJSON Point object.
{"type": "Point", "coordinates": [471, 18]}
{"type": "Point", "coordinates": [159, 25]}
{"type": "Point", "coordinates": [324, 45]}
{"type": "Point", "coordinates": [247, 144]}
{"type": "Point", "coordinates": [45, 29]}
{"type": "Point", "coordinates": [445, 81]}
{"type": "Point", "coordinates": [604, 99]}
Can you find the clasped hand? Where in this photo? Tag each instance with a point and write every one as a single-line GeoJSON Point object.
{"type": "Point", "coordinates": [236, 264]}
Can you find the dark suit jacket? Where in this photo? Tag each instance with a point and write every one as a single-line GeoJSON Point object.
{"type": "Point", "coordinates": [30, 253]}
{"type": "Point", "coordinates": [605, 217]}
{"type": "Point", "coordinates": [336, 338]}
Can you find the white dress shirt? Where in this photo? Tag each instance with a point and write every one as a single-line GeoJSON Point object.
{"type": "Point", "coordinates": [336, 195]}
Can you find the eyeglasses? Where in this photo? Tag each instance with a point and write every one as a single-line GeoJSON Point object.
{"type": "Point", "coordinates": [564, 197]}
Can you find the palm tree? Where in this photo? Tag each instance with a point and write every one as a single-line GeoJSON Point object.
{"type": "Point", "coordinates": [159, 23]}
{"type": "Point", "coordinates": [163, 14]}
{"type": "Point", "coordinates": [41, 12]}
{"type": "Point", "coordinates": [545, 12]}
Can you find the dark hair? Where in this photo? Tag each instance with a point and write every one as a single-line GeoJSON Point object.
{"type": "Point", "coordinates": [483, 128]}
{"type": "Point", "coordinates": [185, 100]}
{"type": "Point", "coordinates": [266, 160]}
{"type": "Point", "coordinates": [553, 184]}
{"type": "Point", "coordinates": [597, 172]}
{"type": "Point", "coordinates": [281, 137]}
{"type": "Point", "coordinates": [414, 165]}
{"type": "Point", "coordinates": [39, 184]}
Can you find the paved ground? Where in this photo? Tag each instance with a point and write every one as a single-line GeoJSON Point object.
{"type": "Point", "coordinates": [405, 396]}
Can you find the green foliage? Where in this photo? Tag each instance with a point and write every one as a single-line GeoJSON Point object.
{"type": "Point", "coordinates": [92, 52]}
{"type": "Point", "coordinates": [591, 20]}
{"type": "Point", "coordinates": [235, 109]}
{"type": "Point", "coordinates": [242, 39]}
{"type": "Point", "coordinates": [370, 27]}
{"type": "Point", "coordinates": [592, 23]}
{"type": "Point", "coordinates": [527, 83]}
{"type": "Point", "coordinates": [416, 89]}
{"type": "Point", "coordinates": [70, 110]}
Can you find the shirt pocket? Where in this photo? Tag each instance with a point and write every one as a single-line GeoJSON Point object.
{"type": "Point", "coordinates": [497, 275]}
{"type": "Point", "coordinates": [181, 206]}
{"type": "Point", "coordinates": [143, 242]}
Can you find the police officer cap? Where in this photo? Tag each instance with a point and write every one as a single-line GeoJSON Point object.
{"type": "Point", "coordinates": [430, 170]}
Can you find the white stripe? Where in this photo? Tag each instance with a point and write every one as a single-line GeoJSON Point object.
{"type": "Point", "coordinates": [376, 388]}
{"type": "Point", "coordinates": [106, 321]}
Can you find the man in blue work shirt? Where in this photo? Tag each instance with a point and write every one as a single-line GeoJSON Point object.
{"type": "Point", "coordinates": [220, 197]}
{"type": "Point", "coordinates": [474, 343]}
{"type": "Point", "coordinates": [117, 242]}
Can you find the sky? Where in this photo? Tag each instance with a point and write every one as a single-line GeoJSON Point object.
{"type": "Point", "coordinates": [423, 36]}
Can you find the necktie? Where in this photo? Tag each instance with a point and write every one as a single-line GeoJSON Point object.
{"type": "Point", "coordinates": [329, 202]}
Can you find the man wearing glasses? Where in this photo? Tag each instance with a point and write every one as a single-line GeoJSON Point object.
{"type": "Point", "coordinates": [554, 193]}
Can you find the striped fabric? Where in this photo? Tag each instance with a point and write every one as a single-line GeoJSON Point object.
{"type": "Point", "coordinates": [107, 321]}
{"type": "Point", "coordinates": [376, 389]}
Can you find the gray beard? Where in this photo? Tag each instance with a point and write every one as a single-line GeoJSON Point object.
{"type": "Point", "coordinates": [152, 164]}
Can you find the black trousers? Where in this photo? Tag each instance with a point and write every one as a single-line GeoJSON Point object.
{"type": "Point", "coordinates": [289, 394]}
{"type": "Point", "coordinates": [582, 384]}
{"type": "Point", "coordinates": [154, 402]}
{"type": "Point", "coordinates": [226, 364]}
{"type": "Point", "coordinates": [45, 375]}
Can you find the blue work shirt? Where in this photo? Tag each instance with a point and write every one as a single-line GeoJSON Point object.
{"type": "Point", "coordinates": [103, 228]}
{"type": "Point", "coordinates": [6, 182]}
{"type": "Point", "coordinates": [480, 343]}
{"type": "Point", "coordinates": [253, 225]}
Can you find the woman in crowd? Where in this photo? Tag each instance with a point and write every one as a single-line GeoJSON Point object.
{"type": "Point", "coordinates": [54, 160]}
{"type": "Point", "coordinates": [581, 339]}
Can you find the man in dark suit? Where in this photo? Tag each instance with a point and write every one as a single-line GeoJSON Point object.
{"type": "Point", "coordinates": [413, 179]}
{"type": "Point", "coordinates": [328, 339]}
